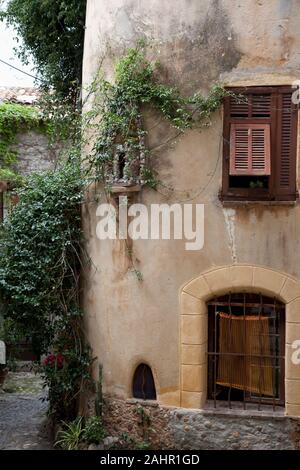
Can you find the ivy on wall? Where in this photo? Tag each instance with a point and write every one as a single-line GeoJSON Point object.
{"type": "Point", "coordinates": [14, 118]}
{"type": "Point", "coordinates": [40, 264]}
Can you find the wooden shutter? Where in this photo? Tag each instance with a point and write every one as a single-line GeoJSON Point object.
{"type": "Point", "coordinates": [239, 106]}
{"type": "Point", "coordinates": [250, 149]}
{"type": "Point", "coordinates": [250, 106]}
{"type": "Point", "coordinates": [286, 146]}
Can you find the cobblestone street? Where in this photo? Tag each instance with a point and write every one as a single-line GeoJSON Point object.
{"type": "Point", "coordinates": [22, 413]}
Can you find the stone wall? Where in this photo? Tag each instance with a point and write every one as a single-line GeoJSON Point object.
{"type": "Point", "coordinates": [177, 428]}
{"type": "Point", "coordinates": [34, 153]}
{"type": "Point", "coordinates": [32, 147]}
{"type": "Point", "coordinates": [209, 431]}
{"type": "Point", "coordinates": [139, 422]}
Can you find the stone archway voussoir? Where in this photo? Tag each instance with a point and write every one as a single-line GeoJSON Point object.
{"type": "Point", "coordinates": [218, 281]}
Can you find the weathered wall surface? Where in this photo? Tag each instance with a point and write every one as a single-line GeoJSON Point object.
{"type": "Point", "coordinates": [32, 147]}
{"type": "Point", "coordinates": [34, 153]}
{"type": "Point", "coordinates": [197, 42]}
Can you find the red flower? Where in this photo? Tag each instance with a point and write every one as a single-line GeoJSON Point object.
{"type": "Point", "coordinates": [53, 359]}
{"type": "Point", "coordinates": [59, 360]}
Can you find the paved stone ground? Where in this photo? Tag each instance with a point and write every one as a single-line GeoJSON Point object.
{"type": "Point", "coordinates": [22, 413]}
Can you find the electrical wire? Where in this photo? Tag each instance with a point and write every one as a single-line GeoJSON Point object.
{"type": "Point", "coordinates": [19, 70]}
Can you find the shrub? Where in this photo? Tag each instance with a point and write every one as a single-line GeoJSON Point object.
{"type": "Point", "coordinates": [70, 436]}
{"type": "Point", "coordinates": [94, 431]}
{"type": "Point", "coordinates": [40, 264]}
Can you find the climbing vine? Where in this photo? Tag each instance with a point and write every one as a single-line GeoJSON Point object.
{"type": "Point", "coordinates": [120, 106]}
{"type": "Point", "coordinates": [14, 118]}
{"type": "Point", "coordinates": [120, 154]}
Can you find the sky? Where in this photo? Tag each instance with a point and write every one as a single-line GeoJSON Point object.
{"type": "Point", "coordinates": [9, 76]}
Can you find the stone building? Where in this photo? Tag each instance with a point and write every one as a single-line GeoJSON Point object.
{"type": "Point", "coordinates": [32, 147]}
{"type": "Point", "coordinates": [209, 336]}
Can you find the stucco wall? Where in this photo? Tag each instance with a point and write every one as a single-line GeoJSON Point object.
{"type": "Point", "coordinates": [198, 42]}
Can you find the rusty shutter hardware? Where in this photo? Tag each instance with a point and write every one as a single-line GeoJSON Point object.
{"type": "Point", "coordinates": [250, 149]}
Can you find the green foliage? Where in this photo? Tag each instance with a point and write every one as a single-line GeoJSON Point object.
{"type": "Point", "coordinates": [94, 432]}
{"type": "Point", "coordinates": [63, 118]}
{"type": "Point", "coordinates": [66, 379]}
{"type": "Point", "coordinates": [39, 277]}
{"type": "Point", "coordinates": [144, 421]}
{"type": "Point", "coordinates": [75, 432]}
{"type": "Point", "coordinates": [120, 107]}
{"type": "Point", "coordinates": [144, 416]}
{"type": "Point", "coordinates": [10, 331]}
{"type": "Point", "coordinates": [142, 446]}
{"type": "Point", "coordinates": [53, 33]}
{"type": "Point", "coordinates": [40, 243]}
{"type": "Point", "coordinates": [14, 118]}
{"type": "Point", "coordinates": [69, 437]}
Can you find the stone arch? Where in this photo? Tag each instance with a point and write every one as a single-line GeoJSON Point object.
{"type": "Point", "coordinates": [194, 330]}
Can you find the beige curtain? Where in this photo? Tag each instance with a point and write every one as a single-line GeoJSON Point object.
{"type": "Point", "coordinates": [247, 369]}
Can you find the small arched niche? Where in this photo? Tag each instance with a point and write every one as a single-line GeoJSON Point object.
{"type": "Point", "coordinates": [143, 386]}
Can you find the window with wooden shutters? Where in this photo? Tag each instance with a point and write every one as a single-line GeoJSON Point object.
{"type": "Point", "coordinates": [250, 149]}
{"type": "Point", "coordinates": [260, 143]}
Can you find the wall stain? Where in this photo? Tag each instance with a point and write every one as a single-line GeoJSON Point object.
{"type": "Point", "coordinates": [230, 220]}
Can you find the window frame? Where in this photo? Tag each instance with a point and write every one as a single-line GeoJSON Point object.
{"type": "Point", "coordinates": [213, 353]}
{"type": "Point", "coordinates": [271, 193]}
